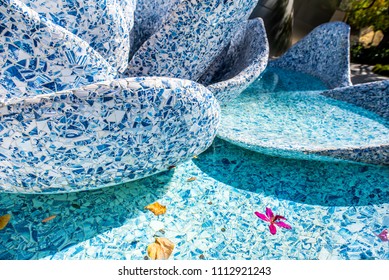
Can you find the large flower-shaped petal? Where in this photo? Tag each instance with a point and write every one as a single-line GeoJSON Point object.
{"type": "Point", "coordinates": [192, 36]}
{"type": "Point", "coordinates": [37, 56]}
{"type": "Point", "coordinates": [103, 134]}
{"type": "Point", "coordinates": [105, 25]}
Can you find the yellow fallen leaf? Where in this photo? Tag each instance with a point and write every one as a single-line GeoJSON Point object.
{"type": "Point", "coordinates": [195, 157]}
{"type": "Point", "coordinates": [4, 220]}
{"type": "Point", "coordinates": [191, 179]}
{"type": "Point", "coordinates": [156, 208]}
{"type": "Point", "coordinates": [49, 218]}
{"type": "Point", "coordinates": [161, 249]}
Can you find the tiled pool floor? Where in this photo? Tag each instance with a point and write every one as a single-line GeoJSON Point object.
{"type": "Point", "coordinates": [335, 209]}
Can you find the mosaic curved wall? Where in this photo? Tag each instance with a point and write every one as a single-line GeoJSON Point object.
{"type": "Point", "coordinates": [240, 64]}
{"type": "Point", "coordinates": [39, 57]}
{"type": "Point", "coordinates": [323, 53]}
{"type": "Point", "coordinates": [103, 134]}
{"type": "Point", "coordinates": [105, 25]}
{"type": "Point", "coordinates": [148, 18]}
{"type": "Point", "coordinates": [192, 36]}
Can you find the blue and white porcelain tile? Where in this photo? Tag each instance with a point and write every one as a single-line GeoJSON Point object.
{"type": "Point", "coordinates": [192, 36]}
{"type": "Point", "coordinates": [105, 25]}
{"type": "Point", "coordinates": [103, 134]}
{"type": "Point", "coordinates": [240, 64]}
{"type": "Point", "coordinates": [323, 53]}
{"type": "Point", "coordinates": [39, 57]}
{"type": "Point", "coordinates": [335, 210]}
{"type": "Point", "coordinates": [149, 17]}
{"type": "Point", "coordinates": [273, 117]}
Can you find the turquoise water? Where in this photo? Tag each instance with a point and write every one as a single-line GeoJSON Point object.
{"type": "Point", "coordinates": [335, 210]}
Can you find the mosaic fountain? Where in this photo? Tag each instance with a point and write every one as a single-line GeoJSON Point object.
{"type": "Point", "coordinates": [97, 94]}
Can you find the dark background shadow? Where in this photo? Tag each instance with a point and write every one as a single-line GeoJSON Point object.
{"type": "Point", "coordinates": [303, 181]}
{"type": "Point", "coordinates": [79, 216]}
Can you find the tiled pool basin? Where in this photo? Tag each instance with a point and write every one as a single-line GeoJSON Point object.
{"type": "Point", "coordinates": [285, 114]}
{"type": "Point", "coordinates": [335, 209]}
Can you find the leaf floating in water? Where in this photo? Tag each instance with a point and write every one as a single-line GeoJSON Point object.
{"type": "Point", "coordinates": [161, 249]}
{"type": "Point", "coordinates": [171, 167]}
{"type": "Point", "coordinates": [4, 220]}
{"type": "Point", "coordinates": [195, 157]}
{"type": "Point", "coordinates": [156, 208]}
{"type": "Point", "coordinates": [49, 218]}
{"type": "Point", "coordinates": [191, 179]}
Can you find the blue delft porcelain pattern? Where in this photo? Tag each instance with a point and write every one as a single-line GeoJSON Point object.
{"type": "Point", "coordinates": [103, 134]}
{"type": "Point", "coordinates": [323, 53]}
{"type": "Point", "coordinates": [284, 114]}
{"type": "Point", "coordinates": [38, 57]}
{"type": "Point", "coordinates": [104, 24]}
{"type": "Point", "coordinates": [240, 63]}
{"type": "Point", "coordinates": [192, 36]}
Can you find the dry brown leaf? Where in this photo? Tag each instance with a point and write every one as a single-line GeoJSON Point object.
{"type": "Point", "coordinates": [161, 249]}
{"type": "Point", "coordinates": [171, 167]}
{"type": "Point", "coordinates": [49, 218]}
{"type": "Point", "coordinates": [156, 208]}
{"type": "Point", "coordinates": [191, 179]}
{"type": "Point", "coordinates": [4, 220]}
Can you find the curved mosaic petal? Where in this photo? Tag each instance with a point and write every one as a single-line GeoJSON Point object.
{"type": "Point", "coordinates": [149, 17]}
{"type": "Point", "coordinates": [303, 124]}
{"type": "Point", "coordinates": [240, 64]}
{"type": "Point", "coordinates": [103, 134]}
{"type": "Point", "coordinates": [372, 96]}
{"type": "Point", "coordinates": [38, 57]}
{"type": "Point", "coordinates": [193, 35]}
{"type": "Point", "coordinates": [323, 53]}
{"type": "Point", "coordinates": [105, 25]}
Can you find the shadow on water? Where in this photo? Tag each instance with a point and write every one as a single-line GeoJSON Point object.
{"type": "Point", "coordinates": [79, 216]}
{"type": "Point", "coordinates": [308, 182]}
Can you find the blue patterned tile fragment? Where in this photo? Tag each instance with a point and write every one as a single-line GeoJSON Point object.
{"type": "Point", "coordinates": [240, 63]}
{"type": "Point", "coordinates": [192, 36]}
{"type": "Point", "coordinates": [323, 53]}
{"type": "Point", "coordinates": [39, 57]}
{"type": "Point", "coordinates": [105, 25]}
{"type": "Point", "coordinates": [103, 134]}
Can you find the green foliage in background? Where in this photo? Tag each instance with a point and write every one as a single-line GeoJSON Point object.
{"type": "Point", "coordinates": [381, 69]}
{"type": "Point", "coordinates": [364, 13]}
{"type": "Point", "coordinates": [372, 55]}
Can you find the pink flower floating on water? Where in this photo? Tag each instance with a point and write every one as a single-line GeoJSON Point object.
{"type": "Point", "coordinates": [384, 235]}
{"type": "Point", "coordinates": [274, 220]}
